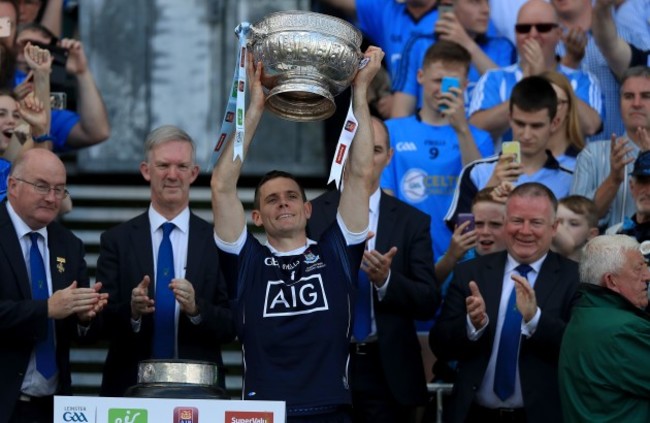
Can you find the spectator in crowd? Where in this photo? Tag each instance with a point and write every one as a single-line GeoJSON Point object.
{"type": "Point", "coordinates": [43, 307]}
{"type": "Point", "coordinates": [9, 10]}
{"type": "Point", "coordinates": [566, 140]}
{"type": "Point", "coordinates": [432, 146]}
{"type": "Point", "coordinates": [577, 218]}
{"type": "Point", "coordinates": [69, 130]}
{"type": "Point", "coordinates": [391, 24]}
{"type": "Point", "coordinates": [403, 290]}
{"type": "Point", "coordinates": [638, 224]}
{"type": "Point", "coordinates": [504, 316]}
{"type": "Point", "coordinates": [602, 168]}
{"type": "Point", "coordinates": [533, 108]}
{"type": "Point", "coordinates": [467, 243]}
{"type": "Point", "coordinates": [538, 34]}
{"type": "Point", "coordinates": [467, 25]}
{"type": "Point", "coordinates": [168, 299]}
{"type": "Point", "coordinates": [619, 53]}
{"type": "Point", "coordinates": [607, 341]}
{"type": "Point", "coordinates": [48, 13]}
{"type": "Point", "coordinates": [303, 342]}
{"type": "Point", "coordinates": [579, 51]}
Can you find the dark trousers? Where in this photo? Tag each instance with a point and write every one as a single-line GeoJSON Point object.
{"type": "Point", "coordinates": [372, 400]}
{"type": "Point", "coordinates": [36, 410]}
{"type": "Point", "coordinates": [341, 415]}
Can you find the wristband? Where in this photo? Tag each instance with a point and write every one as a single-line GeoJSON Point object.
{"type": "Point", "coordinates": [43, 138]}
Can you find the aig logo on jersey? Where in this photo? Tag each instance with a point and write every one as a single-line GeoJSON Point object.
{"type": "Point", "coordinates": [304, 296]}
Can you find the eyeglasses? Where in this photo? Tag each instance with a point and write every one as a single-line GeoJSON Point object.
{"type": "Point", "coordinates": [542, 28]}
{"type": "Point", "coordinates": [44, 189]}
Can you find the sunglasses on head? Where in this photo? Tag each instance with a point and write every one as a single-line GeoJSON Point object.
{"type": "Point", "coordinates": [540, 27]}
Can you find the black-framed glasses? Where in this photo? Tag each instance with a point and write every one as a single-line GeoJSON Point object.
{"type": "Point", "coordinates": [542, 28]}
{"type": "Point", "coordinates": [44, 189]}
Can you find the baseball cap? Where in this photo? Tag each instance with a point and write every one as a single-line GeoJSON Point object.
{"type": "Point", "coordinates": [642, 164]}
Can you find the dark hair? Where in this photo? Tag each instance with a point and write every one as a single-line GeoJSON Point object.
{"type": "Point", "coordinates": [383, 125]}
{"type": "Point", "coordinates": [447, 52]}
{"type": "Point", "coordinates": [533, 190]}
{"type": "Point", "coordinates": [533, 94]}
{"type": "Point", "coordinates": [274, 174]}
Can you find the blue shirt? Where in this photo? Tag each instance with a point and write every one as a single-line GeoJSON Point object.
{"type": "Point", "coordinates": [5, 168]}
{"type": "Point", "coordinates": [425, 167]}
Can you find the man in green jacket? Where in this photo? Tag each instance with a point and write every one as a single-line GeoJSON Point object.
{"type": "Point", "coordinates": [602, 373]}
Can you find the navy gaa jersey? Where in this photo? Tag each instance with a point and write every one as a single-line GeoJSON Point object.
{"type": "Point", "coordinates": [294, 320]}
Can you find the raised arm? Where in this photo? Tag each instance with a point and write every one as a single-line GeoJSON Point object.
{"type": "Point", "coordinates": [227, 208]}
{"type": "Point", "coordinates": [93, 126]}
{"type": "Point", "coordinates": [616, 51]}
{"type": "Point", "coordinates": [353, 206]}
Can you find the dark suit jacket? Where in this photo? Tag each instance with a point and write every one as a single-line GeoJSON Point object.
{"type": "Point", "coordinates": [555, 290]}
{"type": "Point", "coordinates": [411, 293]}
{"type": "Point", "coordinates": [126, 256]}
{"type": "Point", "coordinates": [23, 321]}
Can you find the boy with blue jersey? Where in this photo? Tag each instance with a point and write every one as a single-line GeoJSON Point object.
{"type": "Point", "coordinates": [292, 296]}
{"type": "Point", "coordinates": [432, 146]}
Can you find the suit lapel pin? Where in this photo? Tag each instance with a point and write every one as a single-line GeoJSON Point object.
{"type": "Point", "coordinates": [60, 264]}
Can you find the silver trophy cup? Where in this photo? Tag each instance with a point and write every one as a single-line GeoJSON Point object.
{"type": "Point", "coordinates": [308, 59]}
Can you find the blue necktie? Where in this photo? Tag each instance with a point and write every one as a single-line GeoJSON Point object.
{"type": "Point", "coordinates": [361, 328]}
{"type": "Point", "coordinates": [163, 319]}
{"type": "Point", "coordinates": [506, 366]}
{"type": "Point", "coordinates": [45, 351]}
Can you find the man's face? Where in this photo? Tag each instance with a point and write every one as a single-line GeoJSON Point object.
{"type": "Point", "coordinates": [430, 77]}
{"type": "Point", "coordinates": [575, 224]}
{"type": "Point", "coordinates": [640, 190]}
{"type": "Point", "coordinates": [473, 15]}
{"type": "Point", "coordinates": [27, 36]}
{"type": "Point", "coordinates": [635, 103]}
{"type": "Point", "coordinates": [170, 171]}
{"type": "Point", "coordinates": [7, 10]}
{"type": "Point", "coordinates": [35, 209]}
{"type": "Point", "coordinates": [382, 151]}
{"type": "Point", "coordinates": [282, 212]}
{"type": "Point", "coordinates": [532, 130]}
{"type": "Point", "coordinates": [8, 117]}
{"type": "Point", "coordinates": [489, 223]}
{"type": "Point", "coordinates": [632, 281]}
{"type": "Point", "coordinates": [530, 227]}
{"type": "Point", "coordinates": [538, 12]}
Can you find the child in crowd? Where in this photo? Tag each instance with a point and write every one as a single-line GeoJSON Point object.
{"type": "Point", "coordinates": [577, 224]}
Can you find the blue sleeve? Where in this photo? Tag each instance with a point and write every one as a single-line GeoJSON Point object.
{"type": "Point", "coordinates": [62, 123]}
{"type": "Point", "coordinates": [588, 90]}
{"type": "Point", "coordinates": [406, 79]}
{"type": "Point", "coordinates": [5, 168]}
{"type": "Point", "coordinates": [484, 142]}
{"type": "Point", "coordinates": [369, 15]}
{"type": "Point", "coordinates": [486, 92]}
